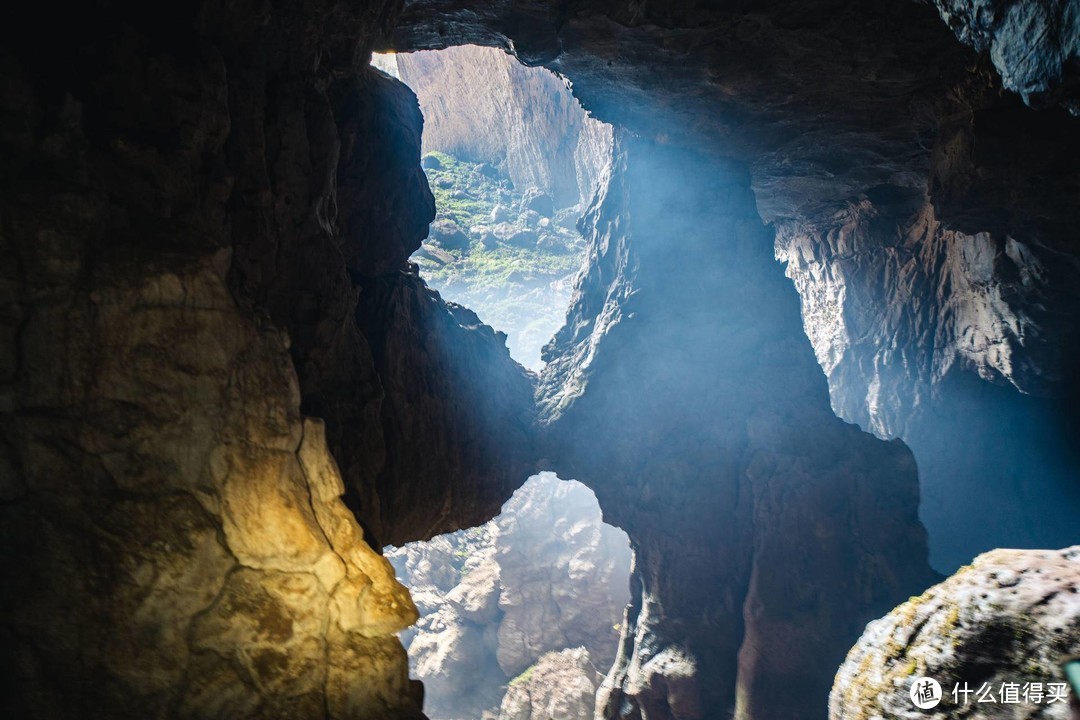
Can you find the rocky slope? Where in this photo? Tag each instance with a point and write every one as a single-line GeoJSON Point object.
{"type": "Point", "coordinates": [508, 255]}
{"type": "Point", "coordinates": [1010, 618]}
{"type": "Point", "coordinates": [546, 575]}
{"type": "Point", "coordinates": [481, 104]}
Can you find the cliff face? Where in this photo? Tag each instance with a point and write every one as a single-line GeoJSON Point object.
{"type": "Point", "coordinates": [742, 493]}
{"type": "Point", "coordinates": [481, 104]}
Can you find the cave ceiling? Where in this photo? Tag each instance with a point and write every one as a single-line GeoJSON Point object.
{"type": "Point", "coordinates": [823, 100]}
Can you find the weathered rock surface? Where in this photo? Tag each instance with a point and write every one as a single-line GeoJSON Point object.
{"type": "Point", "coordinates": [193, 213]}
{"type": "Point", "coordinates": [832, 106]}
{"type": "Point", "coordinates": [561, 686]}
{"type": "Point", "coordinates": [481, 104]}
{"type": "Point", "coordinates": [766, 531]}
{"type": "Point", "coordinates": [947, 340]}
{"type": "Point", "coordinates": [544, 576]}
{"type": "Point", "coordinates": [1011, 617]}
{"type": "Point", "coordinates": [1034, 44]}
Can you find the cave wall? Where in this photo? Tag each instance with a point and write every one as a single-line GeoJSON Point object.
{"type": "Point", "coordinates": [682, 389]}
{"type": "Point", "coordinates": [949, 319]}
{"type": "Point", "coordinates": [209, 402]}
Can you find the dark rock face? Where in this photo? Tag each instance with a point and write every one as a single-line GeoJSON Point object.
{"type": "Point", "coordinates": [683, 390]}
{"type": "Point", "coordinates": [820, 99]}
{"type": "Point", "coordinates": [1009, 618]}
{"type": "Point", "coordinates": [957, 334]}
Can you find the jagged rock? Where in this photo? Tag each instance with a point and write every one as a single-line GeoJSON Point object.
{"type": "Point", "coordinates": [476, 597]}
{"type": "Point", "coordinates": [1012, 616]}
{"type": "Point", "coordinates": [1031, 42]}
{"type": "Point", "coordinates": [577, 594]}
{"type": "Point", "coordinates": [939, 337]}
{"type": "Point", "coordinates": [560, 686]}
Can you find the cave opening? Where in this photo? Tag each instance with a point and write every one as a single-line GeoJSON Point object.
{"type": "Point", "coordinates": [513, 161]}
{"type": "Point", "coordinates": [519, 614]}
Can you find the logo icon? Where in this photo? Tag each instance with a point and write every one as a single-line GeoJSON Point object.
{"type": "Point", "coordinates": [925, 693]}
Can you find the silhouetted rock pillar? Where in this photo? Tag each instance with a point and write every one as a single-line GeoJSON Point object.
{"type": "Point", "coordinates": [685, 392]}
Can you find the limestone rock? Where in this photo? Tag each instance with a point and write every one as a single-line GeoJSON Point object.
{"type": "Point", "coordinates": [560, 686]}
{"type": "Point", "coordinates": [1012, 616]}
{"type": "Point", "coordinates": [476, 597]}
{"type": "Point", "coordinates": [747, 501]}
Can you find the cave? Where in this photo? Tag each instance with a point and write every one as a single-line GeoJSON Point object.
{"type": "Point", "coordinates": [818, 363]}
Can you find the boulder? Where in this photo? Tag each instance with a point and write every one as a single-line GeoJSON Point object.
{"type": "Point", "coordinates": [561, 686]}
{"type": "Point", "coordinates": [538, 200]}
{"type": "Point", "coordinates": [499, 214]}
{"type": "Point", "coordinates": [446, 234]}
{"type": "Point", "coordinates": [523, 238]}
{"type": "Point", "coordinates": [1010, 617]}
{"type": "Point", "coordinates": [431, 162]}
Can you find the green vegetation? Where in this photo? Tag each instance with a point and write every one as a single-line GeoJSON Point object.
{"type": "Point", "coordinates": [487, 251]}
{"type": "Point", "coordinates": [504, 264]}
{"type": "Point", "coordinates": [524, 677]}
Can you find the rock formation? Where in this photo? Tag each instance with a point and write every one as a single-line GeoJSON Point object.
{"type": "Point", "coordinates": [481, 104]}
{"type": "Point", "coordinates": [545, 576]}
{"type": "Point", "coordinates": [957, 335]}
{"type": "Point", "coordinates": [562, 686]}
{"type": "Point", "coordinates": [1008, 619]}
{"type": "Point", "coordinates": [766, 531]}
{"type": "Point", "coordinates": [205, 230]}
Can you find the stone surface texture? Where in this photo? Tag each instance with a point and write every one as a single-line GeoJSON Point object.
{"type": "Point", "coordinates": [210, 336]}
{"type": "Point", "coordinates": [562, 686]}
{"type": "Point", "coordinates": [1011, 616]}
